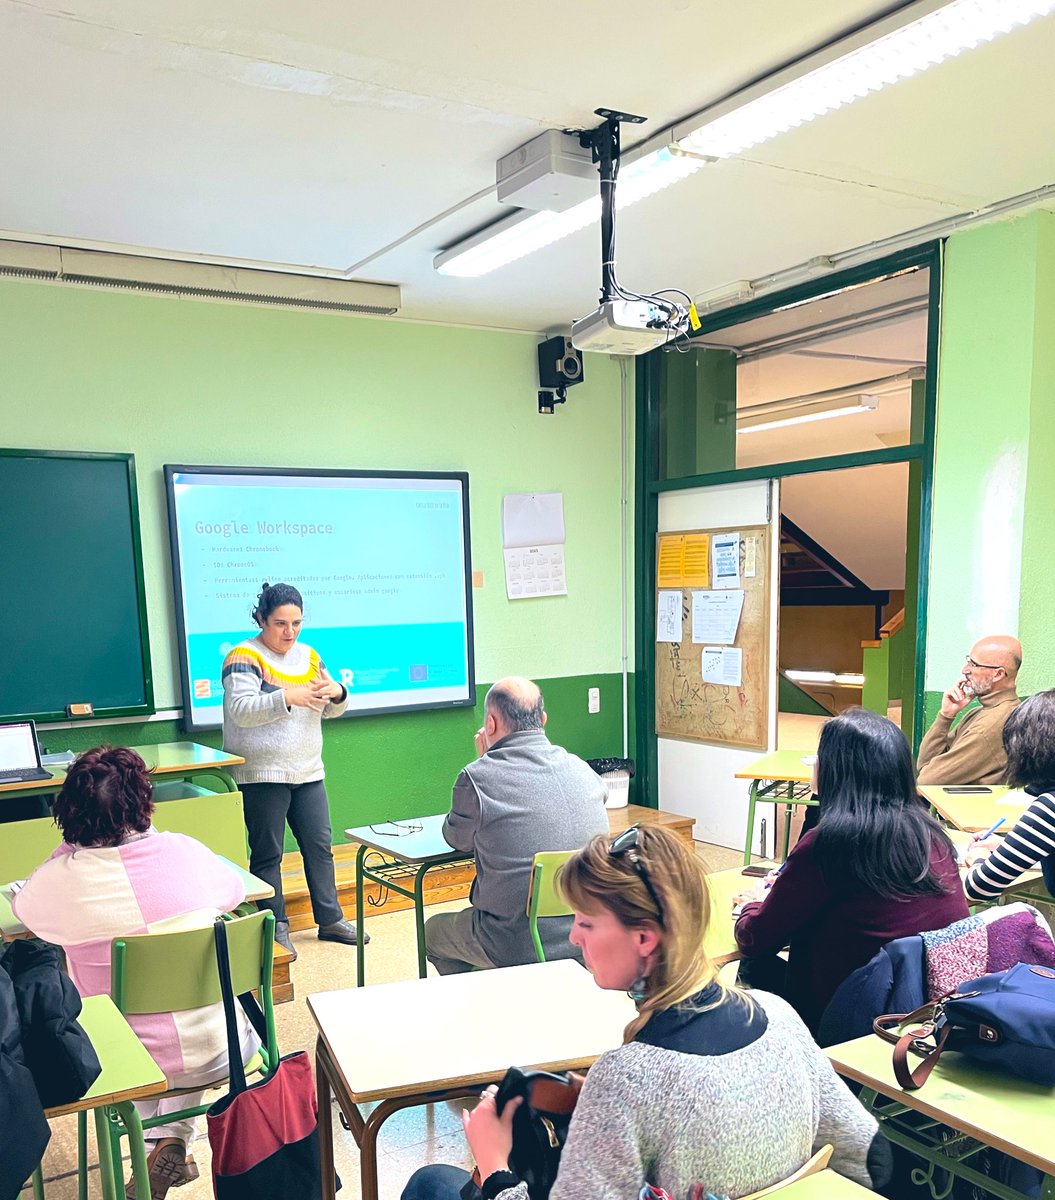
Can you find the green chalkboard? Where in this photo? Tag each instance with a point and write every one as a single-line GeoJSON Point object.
{"type": "Point", "coordinates": [73, 604]}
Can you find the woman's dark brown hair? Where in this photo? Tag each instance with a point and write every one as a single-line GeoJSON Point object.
{"type": "Point", "coordinates": [1029, 739]}
{"type": "Point", "coordinates": [107, 796]}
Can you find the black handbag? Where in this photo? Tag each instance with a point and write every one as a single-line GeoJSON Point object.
{"type": "Point", "coordinates": [1006, 1019]}
{"type": "Point", "coordinates": [540, 1128]}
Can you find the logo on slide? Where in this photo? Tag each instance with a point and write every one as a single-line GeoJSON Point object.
{"type": "Point", "coordinates": [419, 672]}
{"type": "Point", "coordinates": [347, 678]}
{"type": "Point", "coordinates": [202, 689]}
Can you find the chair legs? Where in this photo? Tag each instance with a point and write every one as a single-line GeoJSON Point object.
{"type": "Point", "coordinates": [136, 1146]}
{"type": "Point", "coordinates": [38, 1184]}
{"type": "Point", "coordinates": [82, 1156]}
{"type": "Point", "coordinates": [104, 1145]}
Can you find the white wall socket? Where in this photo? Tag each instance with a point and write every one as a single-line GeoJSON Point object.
{"type": "Point", "coordinates": [593, 700]}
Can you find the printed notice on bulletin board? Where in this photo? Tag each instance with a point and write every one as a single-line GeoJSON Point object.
{"type": "Point", "coordinates": [684, 560]}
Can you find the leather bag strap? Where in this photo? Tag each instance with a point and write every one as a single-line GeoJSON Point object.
{"type": "Point", "coordinates": [886, 1024]}
{"type": "Point", "coordinates": [910, 1079]}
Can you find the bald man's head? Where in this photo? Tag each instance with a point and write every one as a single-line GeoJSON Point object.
{"type": "Point", "coordinates": [992, 665]}
{"type": "Point", "coordinates": [516, 704]}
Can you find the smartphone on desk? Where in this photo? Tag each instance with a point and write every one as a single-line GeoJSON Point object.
{"type": "Point", "coordinates": [760, 870]}
{"type": "Point", "coordinates": [967, 791]}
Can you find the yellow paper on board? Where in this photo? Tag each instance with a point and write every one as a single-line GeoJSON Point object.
{"type": "Point", "coordinates": [697, 560]}
{"type": "Point", "coordinates": [684, 560]}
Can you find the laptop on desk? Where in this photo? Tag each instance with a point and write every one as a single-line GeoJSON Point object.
{"type": "Point", "coordinates": [20, 754]}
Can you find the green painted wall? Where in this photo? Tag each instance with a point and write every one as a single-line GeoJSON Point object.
{"type": "Point", "coordinates": [179, 380]}
{"type": "Point", "coordinates": [993, 540]}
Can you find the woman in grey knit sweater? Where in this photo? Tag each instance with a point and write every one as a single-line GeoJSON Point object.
{"type": "Point", "coordinates": [276, 693]}
{"type": "Point", "coordinates": [711, 1086]}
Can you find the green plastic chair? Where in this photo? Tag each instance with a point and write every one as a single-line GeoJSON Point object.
{"type": "Point", "coordinates": [543, 898]}
{"type": "Point", "coordinates": [25, 845]}
{"type": "Point", "coordinates": [215, 819]}
{"type": "Point", "coordinates": [172, 972]}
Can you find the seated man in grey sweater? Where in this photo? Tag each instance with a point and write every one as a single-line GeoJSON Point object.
{"type": "Point", "coordinates": [520, 796]}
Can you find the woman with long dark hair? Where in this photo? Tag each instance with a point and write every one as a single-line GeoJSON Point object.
{"type": "Point", "coordinates": [1029, 740]}
{"type": "Point", "coordinates": [876, 867]}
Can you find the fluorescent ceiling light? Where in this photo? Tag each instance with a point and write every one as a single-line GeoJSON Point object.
{"type": "Point", "coordinates": [514, 238]}
{"type": "Point", "coordinates": [897, 47]}
{"type": "Point", "coordinates": [750, 421]}
{"type": "Point", "coordinates": [884, 53]}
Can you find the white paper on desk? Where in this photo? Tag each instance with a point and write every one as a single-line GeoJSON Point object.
{"type": "Point", "coordinates": [1017, 797]}
{"type": "Point", "coordinates": [668, 616]}
{"type": "Point", "coordinates": [532, 519]}
{"type": "Point", "coordinates": [725, 567]}
{"type": "Point", "coordinates": [716, 616]}
{"type": "Point", "coordinates": [723, 665]}
{"type": "Point", "coordinates": [533, 571]}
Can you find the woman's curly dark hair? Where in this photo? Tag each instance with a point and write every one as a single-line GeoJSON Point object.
{"type": "Point", "coordinates": [107, 795]}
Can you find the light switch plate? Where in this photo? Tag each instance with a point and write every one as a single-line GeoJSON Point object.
{"type": "Point", "coordinates": [593, 700]}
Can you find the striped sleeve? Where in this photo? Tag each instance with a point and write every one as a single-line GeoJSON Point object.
{"type": "Point", "coordinates": [1031, 840]}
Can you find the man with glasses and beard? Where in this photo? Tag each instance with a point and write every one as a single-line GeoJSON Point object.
{"type": "Point", "coordinates": [972, 751]}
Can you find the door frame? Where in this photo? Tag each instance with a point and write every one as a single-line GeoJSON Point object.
{"type": "Point", "coordinates": [648, 486]}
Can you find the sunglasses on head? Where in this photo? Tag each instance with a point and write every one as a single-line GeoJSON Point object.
{"type": "Point", "coordinates": [627, 844]}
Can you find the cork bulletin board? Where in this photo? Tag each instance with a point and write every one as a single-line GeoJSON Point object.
{"type": "Point", "coordinates": [688, 706]}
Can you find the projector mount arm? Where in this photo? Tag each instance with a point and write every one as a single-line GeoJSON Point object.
{"type": "Point", "coordinates": [604, 144]}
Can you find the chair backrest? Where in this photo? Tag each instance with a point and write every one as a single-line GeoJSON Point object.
{"type": "Point", "coordinates": [172, 972]}
{"type": "Point", "coordinates": [812, 1166]}
{"type": "Point", "coordinates": [543, 898]}
{"type": "Point", "coordinates": [24, 845]}
{"type": "Point", "coordinates": [215, 819]}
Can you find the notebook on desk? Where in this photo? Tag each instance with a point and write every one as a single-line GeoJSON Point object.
{"type": "Point", "coordinates": [20, 754]}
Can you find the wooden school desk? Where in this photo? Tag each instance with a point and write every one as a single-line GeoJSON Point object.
{"type": "Point", "coordinates": [778, 778]}
{"type": "Point", "coordinates": [424, 1040]}
{"type": "Point", "coordinates": [719, 943]}
{"type": "Point", "coordinates": [164, 760]}
{"type": "Point", "coordinates": [977, 812]}
{"type": "Point", "coordinates": [129, 1073]}
{"type": "Point", "coordinates": [414, 847]}
{"type": "Point", "coordinates": [991, 1108]}
{"type": "Point", "coordinates": [825, 1185]}
{"type": "Point", "coordinates": [12, 928]}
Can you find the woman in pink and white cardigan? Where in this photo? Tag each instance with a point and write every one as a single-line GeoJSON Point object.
{"type": "Point", "coordinates": [114, 875]}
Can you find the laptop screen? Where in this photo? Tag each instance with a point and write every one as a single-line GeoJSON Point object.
{"type": "Point", "coordinates": [18, 746]}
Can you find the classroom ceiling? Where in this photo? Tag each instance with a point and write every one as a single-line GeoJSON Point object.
{"type": "Point", "coordinates": [313, 136]}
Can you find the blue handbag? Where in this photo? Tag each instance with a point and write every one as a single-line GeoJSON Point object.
{"type": "Point", "coordinates": [1006, 1019]}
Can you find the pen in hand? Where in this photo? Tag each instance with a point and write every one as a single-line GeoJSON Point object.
{"type": "Point", "coordinates": [980, 837]}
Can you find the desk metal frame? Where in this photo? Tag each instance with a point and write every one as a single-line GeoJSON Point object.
{"type": "Point", "coordinates": [775, 791]}
{"type": "Point", "coordinates": [328, 1085]}
{"type": "Point", "coordinates": [394, 875]}
{"type": "Point", "coordinates": [942, 1148]}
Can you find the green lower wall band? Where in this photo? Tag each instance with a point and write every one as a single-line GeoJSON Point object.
{"type": "Point", "coordinates": [383, 768]}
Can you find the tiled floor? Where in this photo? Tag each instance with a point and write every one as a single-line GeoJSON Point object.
{"type": "Point", "coordinates": [408, 1140]}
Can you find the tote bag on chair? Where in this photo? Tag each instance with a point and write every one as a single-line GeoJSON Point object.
{"type": "Point", "coordinates": [264, 1136]}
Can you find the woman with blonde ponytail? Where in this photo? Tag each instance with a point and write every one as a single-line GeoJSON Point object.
{"type": "Point", "coordinates": [710, 1086]}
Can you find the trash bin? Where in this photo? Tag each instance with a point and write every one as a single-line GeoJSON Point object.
{"type": "Point", "coordinates": [616, 773]}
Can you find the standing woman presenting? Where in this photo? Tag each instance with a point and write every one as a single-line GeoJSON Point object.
{"type": "Point", "coordinates": [276, 691]}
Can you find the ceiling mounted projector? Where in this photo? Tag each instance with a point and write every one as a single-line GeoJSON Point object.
{"type": "Point", "coordinates": [626, 322]}
{"type": "Point", "coordinates": [622, 327]}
